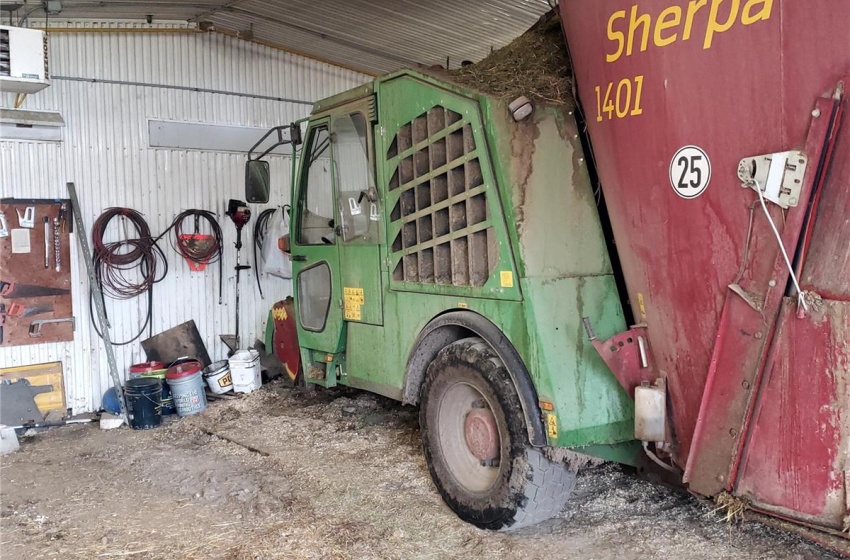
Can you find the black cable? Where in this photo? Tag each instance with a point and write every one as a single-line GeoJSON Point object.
{"type": "Point", "coordinates": [199, 253]}
{"type": "Point", "coordinates": [127, 268]}
{"type": "Point", "coordinates": [261, 227]}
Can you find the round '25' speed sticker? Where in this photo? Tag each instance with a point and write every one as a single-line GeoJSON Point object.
{"type": "Point", "coordinates": [690, 171]}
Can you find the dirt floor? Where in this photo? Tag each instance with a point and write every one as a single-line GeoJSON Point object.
{"type": "Point", "coordinates": [333, 474]}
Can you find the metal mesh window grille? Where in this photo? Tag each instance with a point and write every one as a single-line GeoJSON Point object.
{"type": "Point", "coordinates": [445, 235]}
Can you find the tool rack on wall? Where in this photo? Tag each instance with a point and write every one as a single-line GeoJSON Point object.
{"type": "Point", "coordinates": [35, 271]}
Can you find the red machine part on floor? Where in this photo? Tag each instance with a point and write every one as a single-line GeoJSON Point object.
{"type": "Point", "coordinates": [692, 110]}
{"type": "Point", "coordinates": [285, 339]}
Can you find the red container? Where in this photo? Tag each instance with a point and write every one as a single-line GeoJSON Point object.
{"type": "Point", "coordinates": [676, 95]}
{"type": "Point", "coordinates": [183, 370]}
{"type": "Point", "coordinates": [137, 370]}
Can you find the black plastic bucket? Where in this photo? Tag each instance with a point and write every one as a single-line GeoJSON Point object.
{"type": "Point", "coordinates": [144, 402]}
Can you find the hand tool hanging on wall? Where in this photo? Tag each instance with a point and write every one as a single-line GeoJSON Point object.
{"type": "Point", "coordinates": [56, 245]}
{"type": "Point", "coordinates": [11, 290]}
{"type": "Point", "coordinates": [35, 326]}
{"type": "Point", "coordinates": [129, 267]}
{"type": "Point", "coordinates": [18, 310]}
{"type": "Point", "coordinates": [46, 242]}
{"type": "Point", "coordinates": [240, 214]}
{"type": "Point", "coordinates": [27, 219]}
{"type": "Point", "coordinates": [261, 227]}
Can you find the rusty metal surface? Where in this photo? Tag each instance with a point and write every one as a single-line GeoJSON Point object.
{"type": "Point", "coordinates": [285, 337]}
{"type": "Point", "coordinates": [827, 262]}
{"type": "Point", "coordinates": [741, 342]}
{"type": "Point", "coordinates": [795, 460]}
{"type": "Point", "coordinates": [797, 457]}
{"type": "Point", "coordinates": [622, 354]}
{"type": "Point", "coordinates": [736, 79]}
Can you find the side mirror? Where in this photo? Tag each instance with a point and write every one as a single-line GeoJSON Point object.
{"type": "Point", "coordinates": [257, 181]}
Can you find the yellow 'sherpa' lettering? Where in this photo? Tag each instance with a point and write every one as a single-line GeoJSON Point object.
{"type": "Point", "coordinates": [631, 31]}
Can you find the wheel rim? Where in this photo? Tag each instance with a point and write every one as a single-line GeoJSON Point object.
{"type": "Point", "coordinates": [469, 437]}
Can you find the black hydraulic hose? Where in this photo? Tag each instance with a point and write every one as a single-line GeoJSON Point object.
{"type": "Point", "coordinates": [190, 249]}
{"type": "Point", "coordinates": [127, 268]}
{"type": "Point", "coordinates": [261, 227]}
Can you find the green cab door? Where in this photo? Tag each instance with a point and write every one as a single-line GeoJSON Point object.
{"type": "Point", "coordinates": [337, 231]}
{"type": "Point", "coordinates": [359, 212]}
{"type": "Point", "coordinates": [315, 255]}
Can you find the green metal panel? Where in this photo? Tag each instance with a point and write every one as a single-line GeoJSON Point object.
{"type": "Point", "coordinates": [360, 259]}
{"type": "Point", "coordinates": [360, 273]}
{"type": "Point", "coordinates": [405, 99]}
{"type": "Point", "coordinates": [329, 338]}
{"type": "Point", "coordinates": [590, 407]}
{"type": "Point", "coordinates": [378, 355]}
{"type": "Point", "coordinates": [354, 94]}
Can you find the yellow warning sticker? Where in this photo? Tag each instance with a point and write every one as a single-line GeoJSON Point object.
{"type": "Point", "coordinates": [552, 425]}
{"type": "Point", "coordinates": [641, 307]}
{"type": "Point", "coordinates": [462, 304]}
{"type": "Point", "coordinates": [506, 278]}
{"type": "Point", "coordinates": [279, 313]}
{"type": "Point", "coordinates": [352, 299]}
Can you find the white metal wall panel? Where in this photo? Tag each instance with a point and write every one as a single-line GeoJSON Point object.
{"type": "Point", "coordinates": [105, 153]}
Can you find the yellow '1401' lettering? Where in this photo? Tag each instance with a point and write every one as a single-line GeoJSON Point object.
{"type": "Point", "coordinates": [676, 23]}
{"type": "Point", "coordinates": [620, 100]}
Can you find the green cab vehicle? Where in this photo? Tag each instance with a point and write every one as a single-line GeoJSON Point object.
{"type": "Point", "coordinates": [446, 250]}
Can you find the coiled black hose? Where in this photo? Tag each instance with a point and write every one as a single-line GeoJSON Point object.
{"type": "Point", "coordinates": [190, 249]}
{"type": "Point", "coordinates": [127, 268]}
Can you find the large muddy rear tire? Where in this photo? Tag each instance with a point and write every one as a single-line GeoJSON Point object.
{"type": "Point", "coordinates": [476, 443]}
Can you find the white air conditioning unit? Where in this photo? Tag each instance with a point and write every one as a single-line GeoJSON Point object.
{"type": "Point", "coordinates": [23, 60]}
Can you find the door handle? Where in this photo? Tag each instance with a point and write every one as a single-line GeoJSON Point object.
{"type": "Point", "coordinates": [299, 257]}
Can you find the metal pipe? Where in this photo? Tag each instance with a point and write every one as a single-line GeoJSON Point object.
{"type": "Point", "coordinates": [126, 30]}
{"type": "Point", "coordinates": [181, 88]}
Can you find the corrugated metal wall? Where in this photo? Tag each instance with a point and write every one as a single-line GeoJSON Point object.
{"type": "Point", "coordinates": [105, 152]}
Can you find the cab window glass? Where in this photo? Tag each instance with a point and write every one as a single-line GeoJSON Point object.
{"type": "Point", "coordinates": [316, 209]}
{"type": "Point", "coordinates": [357, 197]}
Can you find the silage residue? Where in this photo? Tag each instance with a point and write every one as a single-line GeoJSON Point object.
{"type": "Point", "coordinates": [535, 64]}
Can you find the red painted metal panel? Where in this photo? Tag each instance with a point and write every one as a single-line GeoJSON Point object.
{"type": "Point", "coordinates": [827, 263]}
{"type": "Point", "coordinates": [736, 78]}
{"type": "Point", "coordinates": [285, 338]}
{"type": "Point", "coordinates": [796, 459]}
{"type": "Point", "coordinates": [742, 338]}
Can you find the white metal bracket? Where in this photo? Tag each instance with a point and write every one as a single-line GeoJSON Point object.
{"type": "Point", "coordinates": [780, 176]}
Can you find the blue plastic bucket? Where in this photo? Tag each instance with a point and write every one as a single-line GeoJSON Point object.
{"type": "Point", "coordinates": [143, 398]}
{"type": "Point", "coordinates": [187, 388]}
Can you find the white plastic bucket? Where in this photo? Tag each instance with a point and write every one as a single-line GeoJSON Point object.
{"type": "Point", "coordinates": [245, 371]}
{"type": "Point", "coordinates": [218, 377]}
